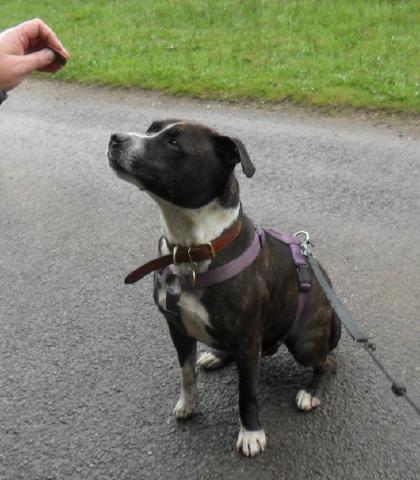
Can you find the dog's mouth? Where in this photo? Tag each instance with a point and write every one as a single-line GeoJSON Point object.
{"type": "Point", "coordinates": [113, 163]}
{"type": "Point", "coordinates": [115, 157]}
{"type": "Point", "coordinates": [120, 171]}
{"type": "Point", "coordinates": [117, 147]}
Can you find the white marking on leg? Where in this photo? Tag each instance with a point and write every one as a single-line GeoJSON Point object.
{"type": "Point", "coordinates": [306, 401]}
{"type": "Point", "coordinates": [209, 361]}
{"type": "Point", "coordinates": [251, 443]}
{"type": "Point", "coordinates": [185, 407]}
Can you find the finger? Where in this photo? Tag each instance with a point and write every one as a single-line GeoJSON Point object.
{"type": "Point", "coordinates": [36, 31]}
{"type": "Point", "coordinates": [35, 61]}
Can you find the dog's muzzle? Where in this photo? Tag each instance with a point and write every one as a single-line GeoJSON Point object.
{"type": "Point", "coordinates": [117, 143]}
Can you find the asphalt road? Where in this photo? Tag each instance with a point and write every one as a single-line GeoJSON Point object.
{"type": "Point", "coordinates": [88, 376]}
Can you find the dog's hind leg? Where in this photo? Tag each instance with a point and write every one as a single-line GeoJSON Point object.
{"type": "Point", "coordinates": [214, 360]}
{"type": "Point", "coordinates": [186, 348]}
{"type": "Point", "coordinates": [310, 397]}
{"type": "Point", "coordinates": [313, 349]}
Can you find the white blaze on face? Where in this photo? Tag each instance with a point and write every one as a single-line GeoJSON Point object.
{"type": "Point", "coordinates": [137, 150]}
{"type": "Point", "coordinates": [141, 139]}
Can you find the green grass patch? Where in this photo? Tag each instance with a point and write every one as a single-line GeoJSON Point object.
{"type": "Point", "coordinates": [351, 53]}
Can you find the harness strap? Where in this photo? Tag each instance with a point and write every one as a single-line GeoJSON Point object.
{"type": "Point", "coordinates": [229, 269]}
{"type": "Point", "coordinates": [234, 267]}
{"type": "Point", "coordinates": [171, 312]}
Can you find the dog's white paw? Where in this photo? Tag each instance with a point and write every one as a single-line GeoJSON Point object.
{"type": "Point", "coordinates": [251, 443]}
{"type": "Point", "coordinates": [209, 361]}
{"type": "Point", "coordinates": [185, 406]}
{"type": "Point", "coordinates": [306, 401]}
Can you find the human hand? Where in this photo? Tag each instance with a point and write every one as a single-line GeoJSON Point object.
{"type": "Point", "coordinates": [24, 49]}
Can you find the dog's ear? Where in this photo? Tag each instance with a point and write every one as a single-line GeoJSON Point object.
{"type": "Point", "coordinates": [159, 125]}
{"type": "Point", "coordinates": [233, 151]}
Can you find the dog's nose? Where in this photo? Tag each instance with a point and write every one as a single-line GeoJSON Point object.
{"type": "Point", "coordinates": [119, 138]}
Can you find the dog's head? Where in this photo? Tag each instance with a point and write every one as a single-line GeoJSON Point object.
{"type": "Point", "coordinates": [184, 163]}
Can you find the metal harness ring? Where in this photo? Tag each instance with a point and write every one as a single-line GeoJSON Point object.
{"type": "Point", "coordinates": [193, 264]}
{"type": "Point", "coordinates": [174, 254]}
{"type": "Point", "coordinates": [189, 256]}
{"type": "Point", "coordinates": [302, 232]}
{"type": "Point", "coordinates": [194, 277]}
{"type": "Point", "coordinates": [305, 244]}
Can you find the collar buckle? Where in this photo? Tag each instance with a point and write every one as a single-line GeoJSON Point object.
{"type": "Point", "coordinates": [212, 251]}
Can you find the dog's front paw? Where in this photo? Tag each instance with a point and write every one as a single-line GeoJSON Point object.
{"type": "Point", "coordinates": [185, 407]}
{"type": "Point", "coordinates": [214, 360]}
{"type": "Point", "coordinates": [306, 401]}
{"type": "Point", "coordinates": [251, 443]}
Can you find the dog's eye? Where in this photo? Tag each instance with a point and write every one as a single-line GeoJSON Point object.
{"type": "Point", "coordinates": [172, 142]}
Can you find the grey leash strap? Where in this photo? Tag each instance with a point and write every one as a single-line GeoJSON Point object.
{"type": "Point", "coordinates": [341, 311]}
{"type": "Point", "coordinates": [347, 320]}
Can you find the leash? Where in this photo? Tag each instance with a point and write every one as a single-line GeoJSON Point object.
{"type": "Point", "coordinates": [398, 388]}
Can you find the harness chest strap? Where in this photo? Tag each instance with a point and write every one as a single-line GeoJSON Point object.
{"type": "Point", "coordinates": [233, 268]}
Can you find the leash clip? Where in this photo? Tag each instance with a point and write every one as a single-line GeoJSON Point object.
{"type": "Point", "coordinates": [305, 244]}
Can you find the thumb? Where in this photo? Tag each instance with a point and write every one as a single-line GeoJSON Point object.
{"type": "Point", "coordinates": [36, 61]}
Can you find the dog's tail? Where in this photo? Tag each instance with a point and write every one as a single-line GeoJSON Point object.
{"type": "Point", "coordinates": [335, 332]}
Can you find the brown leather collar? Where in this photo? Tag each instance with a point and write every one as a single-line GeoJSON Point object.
{"type": "Point", "coordinates": [191, 255]}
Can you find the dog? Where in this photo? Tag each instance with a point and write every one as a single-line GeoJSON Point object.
{"type": "Point", "coordinates": [188, 170]}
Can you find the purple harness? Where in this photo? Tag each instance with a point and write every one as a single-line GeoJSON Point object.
{"type": "Point", "coordinates": [231, 269]}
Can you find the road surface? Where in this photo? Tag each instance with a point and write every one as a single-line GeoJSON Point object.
{"type": "Point", "coordinates": [88, 375]}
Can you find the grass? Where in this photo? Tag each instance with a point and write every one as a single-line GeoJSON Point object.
{"type": "Point", "coordinates": [349, 53]}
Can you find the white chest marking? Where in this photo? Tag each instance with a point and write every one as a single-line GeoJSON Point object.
{"type": "Point", "coordinates": [194, 316]}
{"type": "Point", "coordinates": [187, 226]}
{"type": "Point", "coordinates": [193, 226]}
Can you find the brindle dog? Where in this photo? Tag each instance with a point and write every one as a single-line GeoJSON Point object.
{"type": "Point", "coordinates": [188, 169]}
